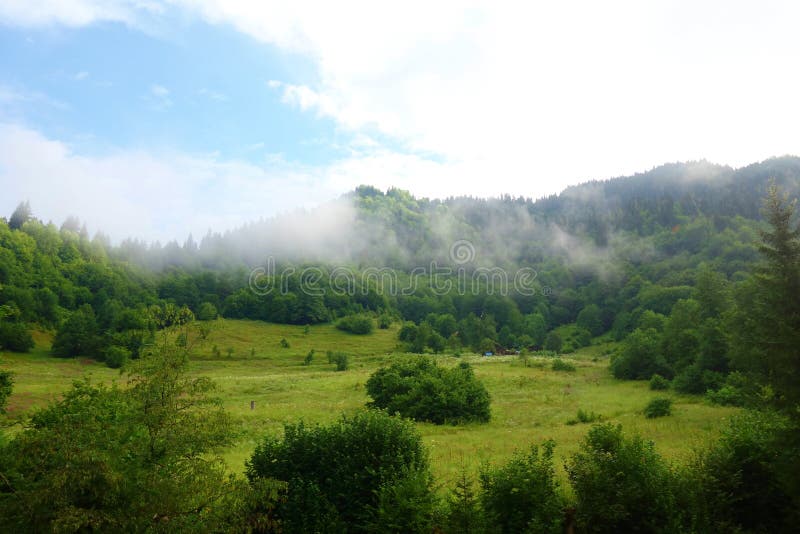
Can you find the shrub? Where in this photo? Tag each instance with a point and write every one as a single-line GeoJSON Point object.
{"type": "Point", "coordinates": [640, 357]}
{"type": "Point", "coordinates": [284, 343]}
{"type": "Point", "coordinates": [207, 312]}
{"type": "Point", "coordinates": [585, 417]}
{"type": "Point", "coordinates": [384, 321]}
{"type": "Point", "coordinates": [356, 324]}
{"type": "Point", "coordinates": [658, 383]}
{"type": "Point", "coordinates": [78, 335]}
{"type": "Point", "coordinates": [6, 386]}
{"type": "Point", "coordinates": [117, 356]}
{"type": "Point", "coordinates": [419, 389]}
{"type": "Point", "coordinates": [309, 357]}
{"type": "Point", "coordinates": [695, 380]}
{"type": "Point", "coordinates": [561, 365]}
{"type": "Point", "coordinates": [659, 407]}
{"type": "Point", "coordinates": [15, 336]}
{"type": "Point", "coordinates": [726, 396]}
{"type": "Point", "coordinates": [620, 484]}
{"type": "Point", "coordinates": [463, 512]}
{"type": "Point", "coordinates": [522, 496]}
{"type": "Point", "coordinates": [341, 360]}
{"type": "Point", "coordinates": [744, 481]}
{"type": "Point", "coordinates": [553, 342]}
{"type": "Point", "coordinates": [348, 473]}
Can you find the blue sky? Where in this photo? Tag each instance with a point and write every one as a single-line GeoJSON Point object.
{"type": "Point", "coordinates": [157, 118]}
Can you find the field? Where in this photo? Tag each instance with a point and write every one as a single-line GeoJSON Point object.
{"type": "Point", "coordinates": [530, 401]}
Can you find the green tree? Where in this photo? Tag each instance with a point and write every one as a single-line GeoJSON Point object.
{"type": "Point", "coordinates": [522, 496]}
{"type": "Point", "coordinates": [21, 215]}
{"type": "Point", "coordinates": [347, 475]}
{"type": "Point", "coordinates": [140, 458]}
{"type": "Point", "coordinates": [766, 324]}
{"type": "Point", "coordinates": [78, 335]}
{"type": "Point", "coordinates": [590, 319]}
{"type": "Point", "coordinates": [553, 342]}
{"type": "Point", "coordinates": [6, 386]}
{"type": "Point", "coordinates": [419, 389]}
{"type": "Point", "coordinates": [640, 357]}
{"type": "Point", "coordinates": [621, 484]}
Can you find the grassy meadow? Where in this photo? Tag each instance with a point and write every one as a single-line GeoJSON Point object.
{"type": "Point", "coordinates": [530, 401]}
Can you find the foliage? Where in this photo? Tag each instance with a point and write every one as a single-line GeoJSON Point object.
{"type": "Point", "coordinates": [746, 481]}
{"type": "Point", "coordinates": [640, 357]}
{"type": "Point", "coordinates": [621, 484]}
{"type": "Point", "coordinates": [79, 335]}
{"type": "Point", "coordinates": [309, 358]}
{"type": "Point", "coordinates": [15, 336]}
{"type": "Point", "coordinates": [419, 389]}
{"type": "Point", "coordinates": [341, 360]}
{"type": "Point", "coordinates": [561, 365]}
{"type": "Point", "coordinates": [207, 312]}
{"type": "Point", "coordinates": [356, 324]}
{"type": "Point", "coordinates": [658, 383]}
{"type": "Point", "coordinates": [765, 326]}
{"type": "Point", "coordinates": [585, 417]}
{"type": "Point", "coordinates": [6, 386]}
{"type": "Point", "coordinates": [132, 459]}
{"type": "Point", "coordinates": [553, 342]}
{"type": "Point", "coordinates": [116, 357]}
{"type": "Point", "coordinates": [351, 472]}
{"type": "Point", "coordinates": [523, 495]}
{"type": "Point", "coordinates": [658, 407]}
{"type": "Point", "coordinates": [463, 511]}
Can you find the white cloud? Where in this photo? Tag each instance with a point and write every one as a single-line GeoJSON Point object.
{"type": "Point", "coordinates": [164, 196]}
{"type": "Point", "coordinates": [213, 95]}
{"type": "Point", "coordinates": [82, 75]}
{"type": "Point", "coordinates": [74, 13]}
{"type": "Point", "coordinates": [518, 97]}
{"type": "Point", "coordinates": [538, 95]}
{"type": "Point", "coordinates": [159, 97]}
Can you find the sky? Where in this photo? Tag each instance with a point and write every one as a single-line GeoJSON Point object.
{"type": "Point", "coordinates": [155, 119]}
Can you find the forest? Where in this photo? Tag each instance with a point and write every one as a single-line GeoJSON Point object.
{"type": "Point", "coordinates": [690, 271]}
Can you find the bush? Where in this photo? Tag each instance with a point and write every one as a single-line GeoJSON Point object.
{"type": "Point", "coordinates": [553, 342]}
{"type": "Point", "coordinates": [726, 396]}
{"type": "Point", "coordinates": [384, 321]}
{"type": "Point", "coordinates": [523, 496]}
{"type": "Point", "coordinates": [419, 389]}
{"type": "Point", "coordinates": [744, 481]}
{"type": "Point", "coordinates": [6, 386]}
{"type": "Point", "coordinates": [561, 365]}
{"type": "Point", "coordinates": [15, 336]}
{"type": "Point", "coordinates": [659, 407]}
{"type": "Point", "coordinates": [695, 380]}
{"type": "Point", "coordinates": [620, 484]}
{"type": "Point", "coordinates": [352, 472]}
{"type": "Point", "coordinates": [356, 324]}
{"type": "Point", "coordinates": [78, 335]}
{"type": "Point", "coordinates": [585, 417]}
{"type": "Point", "coordinates": [640, 357]}
{"type": "Point", "coordinates": [207, 312]}
{"type": "Point", "coordinates": [116, 356]}
{"type": "Point", "coordinates": [658, 383]}
{"type": "Point", "coordinates": [309, 357]}
{"type": "Point", "coordinates": [284, 343]}
{"type": "Point", "coordinates": [341, 360]}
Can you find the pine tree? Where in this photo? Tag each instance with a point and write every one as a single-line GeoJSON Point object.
{"type": "Point", "coordinates": [766, 330]}
{"type": "Point", "coordinates": [20, 216]}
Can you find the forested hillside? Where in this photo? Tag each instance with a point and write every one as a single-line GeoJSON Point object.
{"type": "Point", "coordinates": [656, 251]}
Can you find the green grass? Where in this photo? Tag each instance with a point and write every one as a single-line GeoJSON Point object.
{"type": "Point", "coordinates": [529, 403]}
